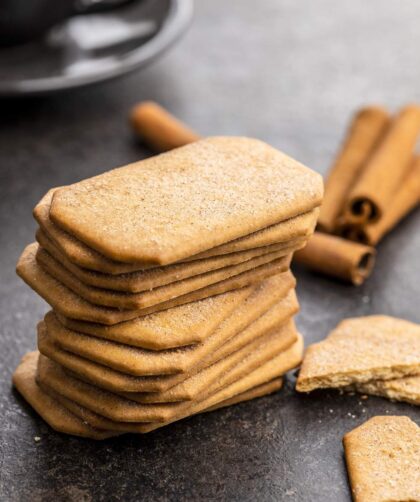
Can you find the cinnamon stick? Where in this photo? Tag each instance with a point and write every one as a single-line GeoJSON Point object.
{"type": "Point", "coordinates": [331, 255]}
{"type": "Point", "coordinates": [337, 257]}
{"type": "Point", "coordinates": [363, 135]}
{"type": "Point", "coordinates": [404, 201]}
{"type": "Point", "coordinates": [158, 128]}
{"type": "Point", "coordinates": [388, 165]}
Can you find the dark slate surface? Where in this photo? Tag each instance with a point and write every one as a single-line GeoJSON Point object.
{"type": "Point", "coordinates": [290, 73]}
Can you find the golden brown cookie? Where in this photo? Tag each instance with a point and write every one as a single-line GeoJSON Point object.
{"type": "Point", "coordinates": [69, 304]}
{"type": "Point", "coordinates": [264, 378]}
{"type": "Point", "coordinates": [55, 414]}
{"type": "Point", "coordinates": [238, 330]}
{"type": "Point", "coordinates": [278, 366]}
{"type": "Point", "coordinates": [290, 231]}
{"type": "Point", "coordinates": [145, 299]}
{"type": "Point", "coordinates": [259, 391]}
{"type": "Point", "coordinates": [193, 322]}
{"type": "Point", "coordinates": [145, 280]}
{"type": "Point", "coordinates": [149, 389]}
{"type": "Point", "coordinates": [186, 201]}
{"type": "Point", "coordinates": [96, 420]}
{"type": "Point", "coordinates": [383, 460]}
{"type": "Point", "coordinates": [400, 389]}
{"type": "Point", "coordinates": [360, 350]}
{"type": "Point", "coordinates": [232, 368]}
{"type": "Point", "coordinates": [140, 362]}
{"type": "Point", "coordinates": [122, 409]}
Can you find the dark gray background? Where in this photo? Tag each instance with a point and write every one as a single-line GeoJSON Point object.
{"type": "Point", "coordinates": [290, 73]}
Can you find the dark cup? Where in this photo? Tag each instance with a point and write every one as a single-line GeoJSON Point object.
{"type": "Point", "coordinates": [24, 20]}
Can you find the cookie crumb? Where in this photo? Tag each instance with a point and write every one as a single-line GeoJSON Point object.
{"type": "Point", "coordinates": [37, 439]}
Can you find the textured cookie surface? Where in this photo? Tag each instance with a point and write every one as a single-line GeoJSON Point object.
{"type": "Point", "coordinates": [56, 415]}
{"type": "Point", "coordinates": [135, 282]}
{"type": "Point", "coordinates": [68, 417]}
{"type": "Point", "coordinates": [277, 366]}
{"type": "Point", "coordinates": [189, 200]}
{"type": "Point", "coordinates": [190, 323]}
{"type": "Point", "coordinates": [360, 350]}
{"type": "Point", "coordinates": [145, 299]}
{"type": "Point", "coordinates": [122, 409]}
{"type": "Point", "coordinates": [95, 420]}
{"type": "Point", "coordinates": [383, 460]}
{"type": "Point", "coordinates": [69, 304]}
{"type": "Point", "coordinates": [293, 229]}
{"type": "Point", "coordinates": [141, 362]}
{"type": "Point", "coordinates": [167, 388]}
{"type": "Point", "coordinates": [239, 329]}
{"type": "Point", "coordinates": [265, 379]}
{"type": "Point", "coordinates": [400, 389]}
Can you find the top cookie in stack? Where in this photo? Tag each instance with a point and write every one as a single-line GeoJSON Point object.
{"type": "Point", "coordinates": [201, 220]}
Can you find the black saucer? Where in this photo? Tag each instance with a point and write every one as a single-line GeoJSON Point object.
{"type": "Point", "coordinates": [93, 48]}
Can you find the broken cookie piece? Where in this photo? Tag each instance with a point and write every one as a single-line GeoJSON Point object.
{"type": "Point", "coordinates": [362, 350]}
{"type": "Point", "coordinates": [400, 389]}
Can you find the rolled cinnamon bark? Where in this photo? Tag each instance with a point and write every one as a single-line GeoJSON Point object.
{"type": "Point", "coordinates": [388, 165]}
{"type": "Point", "coordinates": [404, 201]}
{"type": "Point", "coordinates": [337, 257]}
{"type": "Point", "coordinates": [363, 136]}
{"type": "Point", "coordinates": [159, 129]}
{"type": "Point", "coordinates": [351, 231]}
{"type": "Point", "coordinates": [349, 219]}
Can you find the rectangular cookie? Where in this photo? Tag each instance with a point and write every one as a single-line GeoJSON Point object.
{"type": "Point", "coordinates": [175, 205]}
{"type": "Point", "coordinates": [149, 298]}
{"type": "Point", "coordinates": [119, 408]}
{"type": "Point", "coordinates": [145, 280]}
{"type": "Point", "coordinates": [383, 460]}
{"type": "Point", "coordinates": [69, 304]}
{"type": "Point", "coordinates": [268, 372]}
{"type": "Point", "coordinates": [56, 415]}
{"type": "Point", "coordinates": [293, 229]}
{"type": "Point", "coordinates": [140, 362]}
{"type": "Point", "coordinates": [278, 366]}
{"type": "Point", "coordinates": [233, 367]}
{"type": "Point", "coordinates": [166, 388]}
{"type": "Point", "coordinates": [193, 322]}
{"type": "Point", "coordinates": [64, 419]}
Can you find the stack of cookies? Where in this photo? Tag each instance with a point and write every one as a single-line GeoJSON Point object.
{"type": "Point", "coordinates": [170, 287]}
